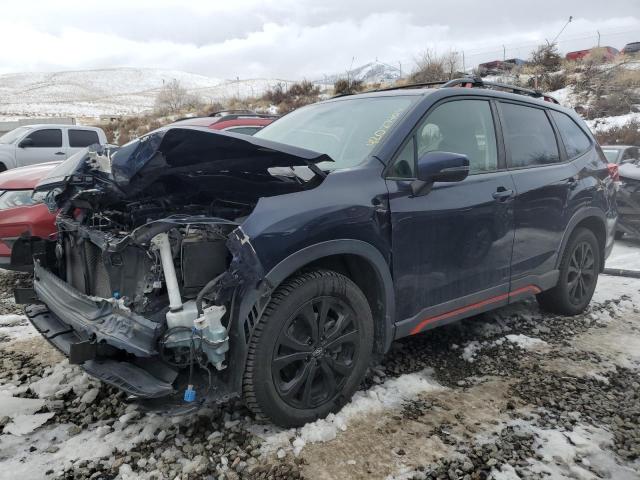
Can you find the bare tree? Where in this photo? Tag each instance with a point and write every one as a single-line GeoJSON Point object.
{"type": "Point", "coordinates": [174, 98]}
{"type": "Point", "coordinates": [434, 67]}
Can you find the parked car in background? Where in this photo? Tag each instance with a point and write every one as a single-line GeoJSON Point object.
{"type": "Point", "coordinates": [20, 211]}
{"type": "Point", "coordinates": [632, 48]}
{"type": "Point", "coordinates": [42, 143]}
{"type": "Point", "coordinates": [605, 53]}
{"type": "Point", "coordinates": [200, 261]}
{"type": "Point", "coordinates": [620, 154]}
{"type": "Point", "coordinates": [629, 200]}
{"type": "Point", "coordinates": [237, 121]}
{"type": "Point", "coordinates": [500, 66]}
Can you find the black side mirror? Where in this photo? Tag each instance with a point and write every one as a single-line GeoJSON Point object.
{"type": "Point", "coordinates": [27, 142]}
{"type": "Point", "coordinates": [440, 167]}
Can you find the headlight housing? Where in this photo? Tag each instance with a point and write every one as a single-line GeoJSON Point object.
{"type": "Point", "coordinates": [18, 198]}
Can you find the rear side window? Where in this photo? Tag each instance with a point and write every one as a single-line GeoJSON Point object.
{"type": "Point", "coordinates": [461, 126]}
{"type": "Point", "coordinates": [529, 136]}
{"type": "Point", "coordinates": [576, 142]}
{"type": "Point", "coordinates": [82, 138]}
{"type": "Point", "coordinates": [244, 130]}
{"type": "Point", "coordinates": [47, 138]}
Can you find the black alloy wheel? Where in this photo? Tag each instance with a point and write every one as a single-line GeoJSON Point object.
{"type": "Point", "coordinates": [316, 352]}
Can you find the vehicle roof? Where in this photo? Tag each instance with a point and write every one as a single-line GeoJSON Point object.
{"type": "Point", "coordinates": [58, 125]}
{"type": "Point", "coordinates": [618, 147]}
{"type": "Point", "coordinates": [22, 178]}
{"type": "Point", "coordinates": [425, 92]}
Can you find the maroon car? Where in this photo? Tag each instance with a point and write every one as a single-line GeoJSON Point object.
{"type": "Point", "coordinates": [236, 121]}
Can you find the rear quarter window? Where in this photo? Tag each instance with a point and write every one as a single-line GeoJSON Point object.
{"type": "Point", "coordinates": [575, 140]}
{"type": "Point", "coordinates": [82, 138]}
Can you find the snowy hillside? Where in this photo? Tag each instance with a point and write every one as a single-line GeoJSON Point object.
{"type": "Point", "coordinates": [114, 91]}
{"type": "Point", "coordinates": [373, 72]}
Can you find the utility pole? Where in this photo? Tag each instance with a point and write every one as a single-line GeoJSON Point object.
{"type": "Point", "coordinates": [464, 68]}
{"type": "Point", "coordinates": [598, 31]}
{"type": "Point", "coordinates": [400, 65]}
{"type": "Point", "coordinates": [504, 53]}
{"type": "Point", "coordinates": [562, 30]}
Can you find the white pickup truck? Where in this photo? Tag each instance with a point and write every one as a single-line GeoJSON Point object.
{"type": "Point", "coordinates": [41, 143]}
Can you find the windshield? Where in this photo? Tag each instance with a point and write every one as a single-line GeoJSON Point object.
{"type": "Point", "coordinates": [346, 130]}
{"type": "Point", "coordinates": [11, 136]}
{"type": "Point", "coordinates": [611, 154]}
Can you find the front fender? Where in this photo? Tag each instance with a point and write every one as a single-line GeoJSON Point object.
{"type": "Point", "coordinates": [364, 250]}
{"type": "Point", "coordinates": [9, 161]}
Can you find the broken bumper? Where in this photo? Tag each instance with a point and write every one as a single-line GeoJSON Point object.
{"type": "Point", "coordinates": [95, 319]}
{"type": "Point", "coordinates": [84, 329]}
{"type": "Point", "coordinates": [133, 379]}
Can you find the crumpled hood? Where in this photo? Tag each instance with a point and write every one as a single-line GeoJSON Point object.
{"type": "Point", "coordinates": [173, 150]}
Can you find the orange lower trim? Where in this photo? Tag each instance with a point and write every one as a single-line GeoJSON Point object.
{"type": "Point", "coordinates": [528, 289]}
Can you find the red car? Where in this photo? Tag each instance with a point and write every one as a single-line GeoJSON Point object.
{"type": "Point", "coordinates": [607, 53]}
{"type": "Point", "coordinates": [19, 211]}
{"type": "Point", "coordinates": [237, 121]}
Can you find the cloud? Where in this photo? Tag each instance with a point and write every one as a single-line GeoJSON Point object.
{"type": "Point", "coordinates": [288, 38]}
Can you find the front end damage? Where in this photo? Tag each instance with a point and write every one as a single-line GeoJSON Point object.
{"type": "Point", "coordinates": [144, 282]}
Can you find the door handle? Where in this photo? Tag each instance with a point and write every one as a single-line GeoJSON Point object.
{"type": "Point", "coordinates": [59, 153]}
{"type": "Point", "coordinates": [502, 194]}
{"type": "Point", "coordinates": [572, 182]}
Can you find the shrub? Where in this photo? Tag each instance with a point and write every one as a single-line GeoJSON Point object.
{"type": "Point", "coordinates": [345, 86]}
{"type": "Point", "coordinates": [628, 134]}
{"type": "Point", "coordinates": [296, 96]}
{"type": "Point", "coordinates": [546, 58]}
{"type": "Point", "coordinates": [173, 98]}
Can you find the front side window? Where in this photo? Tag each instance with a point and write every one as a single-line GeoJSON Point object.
{"type": "Point", "coordinates": [82, 138]}
{"type": "Point", "coordinates": [461, 126]}
{"type": "Point", "coordinates": [47, 138]}
{"type": "Point", "coordinates": [346, 130]}
{"type": "Point", "coordinates": [529, 136]}
{"type": "Point", "coordinates": [576, 142]}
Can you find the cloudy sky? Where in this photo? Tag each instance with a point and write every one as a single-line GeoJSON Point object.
{"type": "Point", "coordinates": [292, 39]}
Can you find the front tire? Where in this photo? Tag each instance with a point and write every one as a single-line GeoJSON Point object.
{"type": "Point", "coordinates": [579, 270]}
{"type": "Point", "coordinates": [310, 350]}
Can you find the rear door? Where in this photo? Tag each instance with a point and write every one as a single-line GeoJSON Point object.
{"type": "Point", "coordinates": [41, 145]}
{"type": "Point", "coordinates": [80, 138]}
{"type": "Point", "coordinates": [544, 182]}
{"type": "Point", "coordinates": [452, 243]}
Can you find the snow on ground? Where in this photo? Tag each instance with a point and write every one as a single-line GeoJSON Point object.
{"type": "Point", "coordinates": [607, 123]}
{"type": "Point", "coordinates": [383, 397]}
{"type": "Point", "coordinates": [625, 255]}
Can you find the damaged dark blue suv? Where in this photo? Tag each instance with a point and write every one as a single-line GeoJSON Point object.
{"type": "Point", "coordinates": [206, 265]}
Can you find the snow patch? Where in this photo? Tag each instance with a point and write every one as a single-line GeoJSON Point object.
{"type": "Point", "coordinates": [389, 395]}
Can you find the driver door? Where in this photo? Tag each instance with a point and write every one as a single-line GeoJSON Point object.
{"type": "Point", "coordinates": [39, 146]}
{"type": "Point", "coordinates": [452, 243]}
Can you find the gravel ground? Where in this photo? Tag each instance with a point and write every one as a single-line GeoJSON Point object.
{"type": "Point", "coordinates": [516, 393]}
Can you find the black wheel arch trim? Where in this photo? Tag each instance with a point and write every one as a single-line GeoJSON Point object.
{"type": "Point", "coordinates": [579, 216]}
{"type": "Point", "coordinates": [366, 251]}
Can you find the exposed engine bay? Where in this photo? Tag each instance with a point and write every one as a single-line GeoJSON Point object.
{"type": "Point", "coordinates": [150, 252]}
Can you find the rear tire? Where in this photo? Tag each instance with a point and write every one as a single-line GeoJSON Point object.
{"type": "Point", "coordinates": [619, 235]}
{"type": "Point", "coordinates": [579, 271]}
{"type": "Point", "coordinates": [310, 350]}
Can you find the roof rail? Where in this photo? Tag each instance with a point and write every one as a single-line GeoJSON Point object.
{"type": "Point", "coordinates": [474, 82]}
{"type": "Point", "coordinates": [477, 82]}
